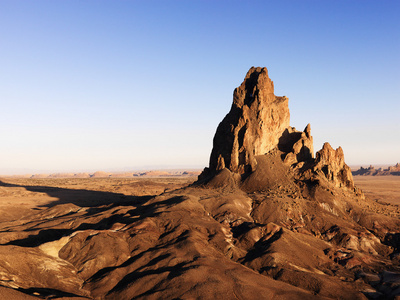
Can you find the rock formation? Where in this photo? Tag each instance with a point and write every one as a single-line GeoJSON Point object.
{"type": "Point", "coordinates": [253, 126]}
{"type": "Point", "coordinates": [258, 125]}
{"type": "Point", "coordinates": [371, 170]}
{"type": "Point", "coordinates": [329, 163]}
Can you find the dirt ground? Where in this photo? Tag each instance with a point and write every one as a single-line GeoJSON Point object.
{"type": "Point", "coordinates": [152, 238]}
{"type": "Point", "coordinates": [19, 196]}
{"type": "Point", "coordinates": [15, 192]}
{"type": "Point", "coordinates": [380, 188]}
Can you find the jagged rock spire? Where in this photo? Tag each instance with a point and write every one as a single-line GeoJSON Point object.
{"type": "Point", "coordinates": [258, 124]}
{"type": "Point", "coordinates": [253, 126]}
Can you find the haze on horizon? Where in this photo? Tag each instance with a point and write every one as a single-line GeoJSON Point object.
{"type": "Point", "coordinates": [128, 85]}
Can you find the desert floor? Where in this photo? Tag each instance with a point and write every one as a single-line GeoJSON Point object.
{"type": "Point", "coordinates": [29, 193]}
{"type": "Point", "coordinates": [116, 234]}
{"type": "Point", "coordinates": [18, 196]}
{"type": "Point", "coordinates": [380, 188]}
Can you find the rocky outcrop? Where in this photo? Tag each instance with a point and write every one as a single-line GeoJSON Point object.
{"type": "Point", "coordinates": [297, 146]}
{"type": "Point", "coordinates": [253, 126]}
{"type": "Point", "coordinates": [371, 170]}
{"type": "Point", "coordinates": [329, 163]}
{"type": "Point", "coordinates": [367, 171]}
{"type": "Point", "coordinates": [258, 125]}
{"type": "Point", "coordinates": [395, 168]}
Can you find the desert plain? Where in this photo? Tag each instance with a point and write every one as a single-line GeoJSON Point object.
{"type": "Point", "coordinates": [37, 213]}
{"type": "Point", "coordinates": [384, 189]}
{"type": "Point", "coordinates": [22, 196]}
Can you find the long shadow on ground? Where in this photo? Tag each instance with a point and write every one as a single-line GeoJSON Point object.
{"type": "Point", "coordinates": [102, 212]}
{"type": "Point", "coordinates": [82, 197]}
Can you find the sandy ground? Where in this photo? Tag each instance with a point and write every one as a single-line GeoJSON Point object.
{"type": "Point", "coordinates": [19, 196]}
{"type": "Point", "coordinates": [380, 188]}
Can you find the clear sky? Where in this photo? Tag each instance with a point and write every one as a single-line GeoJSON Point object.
{"type": "Point", "coordinates": [125, 85]}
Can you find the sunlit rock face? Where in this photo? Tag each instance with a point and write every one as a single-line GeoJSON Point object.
{"type": "Point", "coordinates": [330, 164]}
{"type": "Point", "coordinates": [253, 126]}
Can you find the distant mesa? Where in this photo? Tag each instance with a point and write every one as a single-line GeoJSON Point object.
{"type": "Point", "coordinates": [156, 173]}
{"type": "Point", "coordinates": [102, 174]}
{"type": "Point", "coordinates": [81, 175]}
{"type": "Point", "coordinates": [372, 171]}
{"type": "Point", "coordinates": [255, 148]}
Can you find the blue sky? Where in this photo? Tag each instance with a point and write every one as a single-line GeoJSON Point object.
{"type": "Point", "coordinates": [125, 85]}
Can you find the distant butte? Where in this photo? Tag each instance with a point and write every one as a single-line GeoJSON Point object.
{"type": "Point", "coordinates": [371, 170]}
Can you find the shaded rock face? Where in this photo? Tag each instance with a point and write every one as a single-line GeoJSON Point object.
{"type": "Point", "coordinates": [257, 125]}
{"type": "Point", "coordinates": [296, 146]}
